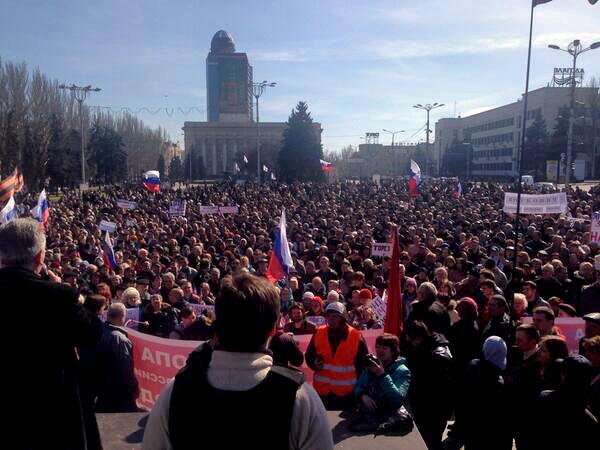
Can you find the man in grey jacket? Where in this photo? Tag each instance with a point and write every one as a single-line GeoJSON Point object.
{"type": "Point", "coordinates": [231, 389]}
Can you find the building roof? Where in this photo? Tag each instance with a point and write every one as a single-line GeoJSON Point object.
{"type": "Point", "coordinates": [222, 42]}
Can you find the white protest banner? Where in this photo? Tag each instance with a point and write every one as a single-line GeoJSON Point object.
{"type": "Point", "coordinates": [379, 306]}
{"type": "Point", "coordinates": [105, 225]}
{"type": "Point", "coordinates": [131, 222]}
{"type": "Point", "coordinates": [126, 204]}
{"type": "Point", "coordinates": [199, 309]}
{"type": "Point", "coordinates": [536, 203]}
{"type": "Point", "coordinates": [177, 208]}
{"type": "Point", "coordinates": [229, 209]}
{"type": "Point", "coordinates": [209, 209]}
{"type": "Point", "coordinates": [595, 234]}
{"type": "Point", "coordinates": [381, 249]}
{"type": "Point", "coordinates": [317, 321]}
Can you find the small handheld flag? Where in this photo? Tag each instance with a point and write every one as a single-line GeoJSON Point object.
{"type": "Point", "coordinates": [152, 181]}
{"type": "Point", "coordinates": [245, 159]}
{"type": "Point", "coordinates": [273, 176]}
{"type": "Point", "coordinates": [281, 258]}
{"type": "Point", "coordinates": [9, 212]}
{"type": "Point", "coordinates": [541, 2]}
{"type": "Point", "coordinates": [265, 168]}
{"type": "Point", "coordinates": [415, 179]}
{"type": "Point", "coordinates": [41, 212]}
{"type": "Point", "coordinates": [11, 184]}
{"type": "Point", "coordinates": [326, 166]}
{"type": "Point", "coordinates": [458, 191]}
{"type": "Point", "coordinates": [236, 168]}
{"type": "Point", "coordinates": [108, 254]}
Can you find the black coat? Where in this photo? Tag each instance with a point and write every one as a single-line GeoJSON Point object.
{"type": "Point", "coordinates": [430, 391]}
{"type": "Point", "coordinates": [41, 369]}
{"type": "Point", "coordinates": [108, 368]}
{"type": "Point", "coordinates": [483, 408]}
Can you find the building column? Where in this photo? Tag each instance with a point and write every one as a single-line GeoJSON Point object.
{"type": "Point", "coordinates": [204, 154]}
{"type": "Point", "coordinates": [235, 151]}
{"type": "Point", "coordinates": [214, 161]}
{"type": "Point", "coordinates": [225, 154]}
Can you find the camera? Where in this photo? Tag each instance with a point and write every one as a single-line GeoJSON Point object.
{"type": "Point", "coordinates": [372, 360]}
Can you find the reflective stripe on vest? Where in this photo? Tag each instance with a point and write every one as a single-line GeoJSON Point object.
{"type": "Point", "coordinates": [338, 375]}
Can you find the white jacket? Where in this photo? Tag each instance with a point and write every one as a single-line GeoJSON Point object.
{"type": "Point", "coordinates": [229, 371]}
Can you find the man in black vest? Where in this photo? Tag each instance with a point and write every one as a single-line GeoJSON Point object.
{"type": "Point", "coordinates": [41, 376]}
{"type": "Point", "coordinates": [231, 389]}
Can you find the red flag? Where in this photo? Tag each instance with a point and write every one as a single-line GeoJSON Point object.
{"type": "Point", "coordinates": [394, 314]}
{"type": "Point", "coordinates": [412, 186]}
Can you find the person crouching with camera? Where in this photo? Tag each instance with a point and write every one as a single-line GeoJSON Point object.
{"type": "Point", "coordinates": [382, 386]}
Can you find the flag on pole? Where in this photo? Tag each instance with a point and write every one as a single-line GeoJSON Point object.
{"type": "Point", "coordinates": [593, 2]}
{"type": "Point", "coordinates": [281, 259]}
{"type": "Point", "coordinates": [13, 183]}
{"type": "Point", "coordinates": [326, 166]}
{"type": "Point", "coordinates": [265, 168]}
{"type": "Point", "coordinates": [541, 2]}
{"type": "Point", "coordinates": [415, 179]}
{"type": "Point", "coordinates": [9, 212]}
{"type": "Point", "coordinates": [236, 168]}
{"type": "Point", "coordinates": [394, 314]}
{"type": "Point", "coordinates": [152, 180]}
{"type": "Point", "coordinates": [458, 191]}
{"type": "Point", "coordinates": [41, 212]}
{"type": "Point", "coordinates": [273, 176]}
{"type": "Point", "coordinates": [245, 159]}
{"type": "Point", "coordinates": [108, 254]}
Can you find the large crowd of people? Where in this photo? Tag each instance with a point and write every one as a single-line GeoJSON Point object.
{"type": "Point", "coordinates": [480, 344]}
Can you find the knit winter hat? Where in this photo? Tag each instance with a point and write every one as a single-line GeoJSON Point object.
{"type": "Point", "coordinates": [494, 351]}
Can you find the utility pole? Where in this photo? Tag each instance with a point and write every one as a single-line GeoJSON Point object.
{"type": "Point", "coordinates": [428, 107]}
{"type": "Point", "coordinates": [574, 49]}
{"type": "Point", "coordinates": [80, 93]}
{"type": "Point", "coordinates": [394, 154]}
{"type": "Point", "coordinates": [258, 89]}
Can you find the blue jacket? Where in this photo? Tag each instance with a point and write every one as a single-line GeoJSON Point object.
{"type": "Point", "coordinates": [391, 388]}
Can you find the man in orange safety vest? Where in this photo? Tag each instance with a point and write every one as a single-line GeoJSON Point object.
{"type": "Point", "coordinates": [337, 354]}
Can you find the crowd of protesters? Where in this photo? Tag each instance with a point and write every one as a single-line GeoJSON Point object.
{"type": "Point", "coordinates": [479, 343]}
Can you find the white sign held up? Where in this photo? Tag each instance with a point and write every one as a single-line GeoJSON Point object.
{"type": "Point", "coordinates": [381, 249]}
{"type": "Point", "coordinates": [105, 225]}
{"type": "Point", "coordinates": [536, 203]}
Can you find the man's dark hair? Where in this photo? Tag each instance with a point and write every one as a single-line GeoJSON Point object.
{"type": "Point", "coordinates": [417, 329]}
{"type": "Point", "coordinates": [186, 312]}
{"type": "Point", "coordinates": [389, 340]}
{"type": "Point", "coordinates": [487, 283]}
{"type": "Point", "coordinates": [547, 312]}
{"type": "Point", "coordinates": [530, 284]}
{"type": "Point", "coordinates": [247, 310]}
{"type": "Point", "coordinates": [95, 303]}
{"type": "Point", "coordinates": [531, 331]}
{"type": "Point", "coordinates": [297, 305]}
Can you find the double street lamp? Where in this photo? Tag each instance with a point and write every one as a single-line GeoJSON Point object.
{"type": "Point", "coordinates": [395, 156]}
{"type": "Point", "coordinates": [257, 90]}
{"type": "Point", "coordinates": [429, 107]}
{"type": "Point", "coordinates": [574, 49]}
{"type": "Point", "coordinates": [80, 93]}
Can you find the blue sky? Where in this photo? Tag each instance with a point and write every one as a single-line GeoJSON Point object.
{"type": "Point", "coordinates": [359, 65]}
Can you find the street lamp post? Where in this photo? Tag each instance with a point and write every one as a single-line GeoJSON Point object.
{"type": "Point", "coordinates": [574, 49]}
{"type": "Point", "coordinates": [81, 93]}
{"type": "Point", "coordinates": [395, 155]}
{"type": "Point", "coordinates": [428, 107]}
{"type": "Point", "coordinates": [257, 90]}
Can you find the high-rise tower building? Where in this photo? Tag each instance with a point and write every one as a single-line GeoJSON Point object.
{"type": "Point", "coordinates": [228, 81]}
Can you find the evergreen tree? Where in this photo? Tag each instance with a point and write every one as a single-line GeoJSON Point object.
{"type": "Point", "coordinates": [11, 147]}
{"type": "Point", "coordinates": [176, 169]}
{"type": "Point", "coordinates": [106, 154]}
{"type": "Point", "coordinates": [536, 154]}
{"type": "Point", "coordinates": [59, 165]}
{"type": "Point", "coordinates": [161, 165]}
{"type": "Point", "coordinates": [299, 157]}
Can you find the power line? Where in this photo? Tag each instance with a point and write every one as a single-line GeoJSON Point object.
{"type": "Point", "coordinates": [185, 110]}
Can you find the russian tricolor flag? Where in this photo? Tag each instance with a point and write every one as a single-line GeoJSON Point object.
{"type": "Point", "coordinates": [152, 180]}
{"type": "Point", "coordinates": [415, 179]}
{"type": "Point", "coordinates": [326, 166]}
{"type": "Point", "coordinates": [41, 212]}
{"type": "Point", "coordinates": [108, 254]}
{"type": "Point", "coordinates": [458, 191]}
{"type": "Point", "coordinates": [9, 212]}
{"type": "Point", "coordinates": [281, 258]}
